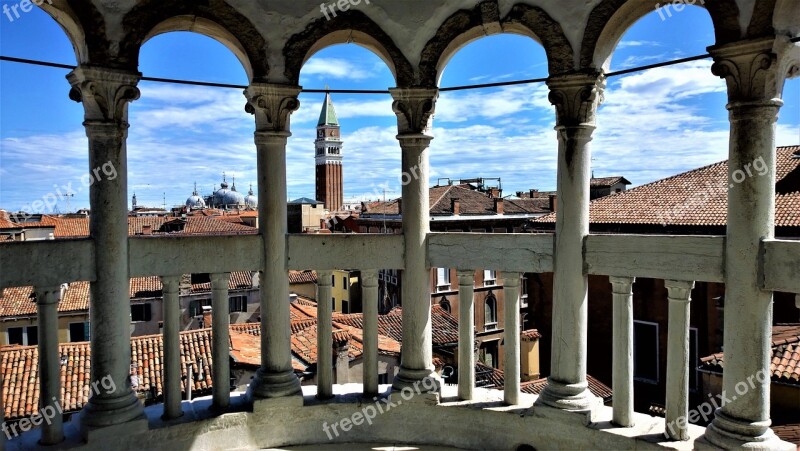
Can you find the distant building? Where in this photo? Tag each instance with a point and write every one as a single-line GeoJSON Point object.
{"type": "Point", "coordinates": [330, 179]}
{"type": "Point", "coordinates": [605, 186]}
{"type": "Point", "coordinates": [305, 215]}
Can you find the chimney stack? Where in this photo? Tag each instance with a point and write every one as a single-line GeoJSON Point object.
{"type": "Point", "coordinates": [363, 207]}
{"type": "Point", "coordinates": [455, 205]}
{"type": "Point", "coordinates": [400, 206]}
{"type": "Point", "coordinates": [532, 193]}
{"type": "Point", "coordinates": [147, 229]}
{"type": "Point", "coordinates": [553, 202]}
{"type": "Point", "coordinates": [498, 206]}
{"type": "Point", "coordinates": [185, 286]}
{"type": "Point", "coordinates": [495, 192]}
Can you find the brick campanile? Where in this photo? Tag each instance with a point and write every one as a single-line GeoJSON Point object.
{"type": "Point", "coordinates": [329, 181]}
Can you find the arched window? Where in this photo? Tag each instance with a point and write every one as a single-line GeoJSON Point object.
{"type": "Point", "coordinates": [490, 312]}
{"type": "Point", "coordinates": [445, 304]}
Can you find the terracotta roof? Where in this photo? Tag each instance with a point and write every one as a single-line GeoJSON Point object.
{"type": "Point", "coordinates": [471, 202]}
{"type": "Point", "coordinates": [788, 432]}
{"type": "Point", "coordinates": [607, 182]}
{"type": "Point", "coordinates": [785, 364]}
{"type": "Point", "coordinates": [444, 325]}
{"type": "Point", "coordinates": [596, 387]}
{"type": "Point", "coordinates": [150, 286]}
{"type": "Point", "coordinates": [695, 198]}
{"type": "Point", "coordinates": [20, 301]}
{"type": "Point", "coordinates": [530, 335]}
{"type": "Point", "coordinates": [302, 277]}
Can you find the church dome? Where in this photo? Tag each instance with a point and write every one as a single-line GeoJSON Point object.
{"type": "Point", "coordinates": [195, 202]}
{"type": "Point", "coordinates": [251, 200]}
{"type": "Point", "coordinates": [228, 198]}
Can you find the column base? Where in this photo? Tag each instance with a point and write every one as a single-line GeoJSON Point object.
{"type": "Point", "coordinates": [273, 385]}
{"type": "Point", "coordinates": [729, 433]}
{"type": "Point", "coordinates": [102, 415]}
{"type": "Point", "coordinates": [571, 397]}
{"type": "Point", "coordinates": [420, 381]}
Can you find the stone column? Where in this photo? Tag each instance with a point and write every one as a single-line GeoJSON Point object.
{"type": "Point", "coordinates": [466, 333]}
{"type": "Point", "coordinates": [272, 106]}
{"type": "Point", "coordinates": [511, 334]}
{"type": "Point", "coordinates": [324, 335]}
{"type": "Point", "coordinates": [414, 109]}
{"type": "Point", "coordinates": [369, 294]}
{"type": "Point", "coordinates": [755, 72]}
{"type": "Point", "coordinates": [172, 347]}
{"type": "Point", "coordinates": [221, 341]}
{"type": "Point", "coordinates": [677, 406]}
{"type": "Point", "coordinates": [622, 356]}
{"type": "Point", "coordinates": [576, 98]}
{"type": "Point", "coordinates": [47, 299]}
{"type": "Point", "coordinates": [105, 94]}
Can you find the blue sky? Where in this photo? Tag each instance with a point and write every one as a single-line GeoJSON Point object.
{"type": "Point", "coordinates": [652, 124]}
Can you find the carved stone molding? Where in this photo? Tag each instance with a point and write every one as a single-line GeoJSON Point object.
{"type": "Point", "coordinates": [414, 109]}
{"type": "Point", "coordinates": [272, 105]}
{"type": "Point", "coordinates": [105, 93]}
{"type": "Point", "coordinates": [576, 98]}
{"type": "Point", "coordinates": [755, 71]}
{"type": "Point", "coordinates": [48, 295]}
{"type": "Point", "coordinates": [369, 279]}
{"type": "Point", "coordinates": [679, 290]}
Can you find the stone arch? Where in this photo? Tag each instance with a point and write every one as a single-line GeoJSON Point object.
{"type": "Point", "coordinates": [784, 17]}
{"type": "Point", "coordinates": [465, 26]}
{"type": "Point", "coordinates": [610, 19]}
{"type": "Point", "coordinates": [84, 26]}
{"type": "Point", "coordinates": [216, 19]}
{"type": "Point", "coordinates": [348, 26]}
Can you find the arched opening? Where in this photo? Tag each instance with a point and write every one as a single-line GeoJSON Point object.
{"type": "Point", "coordinates": [490, 310]}
{"type": "Point", "coordinates": [343, 149]}
{"type": "Point", "coordinates": [190, 139]}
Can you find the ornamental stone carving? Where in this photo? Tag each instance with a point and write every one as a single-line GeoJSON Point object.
{"type": "Point", "coordinates": [105, 93]}
{"type": "Point", "coordinates": [414, 109]}
{"type": "Point", "coordinates": [272, 105]}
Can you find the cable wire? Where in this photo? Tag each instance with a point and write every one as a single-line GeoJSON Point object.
{"type": "Point", "coordinates": [367, 91]}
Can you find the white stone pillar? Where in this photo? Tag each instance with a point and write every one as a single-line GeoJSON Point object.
{"type": "Point", "coordinates": [369, 295]}
{"type": "Point", "coordinates": [755, 72]}
{"type": "Point", "coordinates": [466, 333]}
{"type": "Point", "coordinates": [272, 106]}
{"type": "Point", "coordinates": [576, 99]}
{"type": "Point", "coordinates": [511, 334]}
{"type": "Point", "coordinates": [47, 299]}
{"type": "Point", "coordinates": [414, 109]}
{"type": "Point", "coordinates": [622, 356]}
{"type": "Point", "coordinates": [172, 347]}
{"type": "Point", "coordinates": [677, 406]}
{"type": "Point", "coordinates": [221, 341]}
{"type": "Point", "coordinates": [105, 94]}
{"type": "Point", "coordinates": [324, 335]}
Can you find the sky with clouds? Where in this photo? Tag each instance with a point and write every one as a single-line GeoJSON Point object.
{"type": "Point", "coordinates": [653, 124]}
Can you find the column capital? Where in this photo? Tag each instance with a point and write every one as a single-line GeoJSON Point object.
{"type": "Point", "coordinates": [170, 284]}
{"type": "Point", "coordinates": [105, 93]}
{"type": "Point", "coordinates": [466, 277]}
{"type": "Point", "coordinates": [679, 290]}
{"type": "Point", "coordinates": [324, 278]}
{"type": "Point", "coordinates": [369, 278]}
{"type": "Point", "coordinates": [272, 105]}
{"type": "Point", "coordinates": [511, 279]}
{"type": "Point", "coordinates": [220, 280]}
{"type": "Point", "coordinates": [48, 295]}
{"type": "Point", "coordinates": [756, 70]}
{"type": "Point", "coordinates": [576, 98]}
{"type": "Point", "coordinates": [414, 108]}
{"type": "Point", "coordinates": [621, 285]}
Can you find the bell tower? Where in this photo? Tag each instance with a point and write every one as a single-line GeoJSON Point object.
{"type": "Point", "coordinates": [328, 145]}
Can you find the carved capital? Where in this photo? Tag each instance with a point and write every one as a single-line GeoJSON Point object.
{"type": "Point", "coordinates": [220, 280]}
{"type": "Point", "coordinates": [170, 284]}
{"type": "Point", "coordinates": [755, 71]}
{"type": "Point", "coordinates": [48, 295]}
{"type": "Point", "coordinates": [511, 279]}
{"type": "Point", "coordinates": [622, 285]}
{"type": "Point", "coordinates": [272, 105]}
{"type": "Point", "coordinates": [414, 109]}
{"type": "Point", "coordinates": [679, 290]}
{"type": "Point", "coordinates": [105, 93]}
{"type": "Point", "coordinates": [576, 98]}
{"type": "Point", "coordinates": [324, 278]}
{"type": "Point", "coordinates": [369, 278]}
{"type": "Point", "coordinates": [466, 277]}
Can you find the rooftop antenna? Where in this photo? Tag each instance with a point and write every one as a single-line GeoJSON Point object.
{"type": "Point", "coordinates": [384, 210]}
{"type": "Point", "coordinates": [66, 197]}
{"type": "Point", "coordinates": [165, 200]}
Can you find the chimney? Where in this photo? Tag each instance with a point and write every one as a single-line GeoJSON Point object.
{"type": "Point", "coordinates": [185, 286]}
{"type": "Point", "coordinates": [400, 206]}
{"type": "Point", "coordinates": [498, 206]}
{"type": "Point", "coordinates": [206, 317]}
{"type": "Point", "coordinates": [495, 192]}
{"type": "Point", "coordinates": [147, 229]}
{"type": "Point", "coordinates": [455, 205]}
{"type": "Point", "coordinates": [532, 193]}
{"type": "Point", "coordinates": [363, 207]}
{"type": "Point", "coordinates": [553, 202]}
{"type": "Point", "coordinates": [529, 348]}
{"type": "Point", "coordinates": [292, 298]}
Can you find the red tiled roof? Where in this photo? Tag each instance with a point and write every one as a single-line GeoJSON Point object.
{"type": "Point", "coordinates": [785, 364]}
{"type": "Point", "coordinates": [530, 335]}
{"type": "Point", "coordinates": [788, 432]}
{"type": "Point", "coordinates": [606, 182]}
{"type": "Point", "coordinates": [695, 198]}
{"type": "Point", "coordinates": [21, 301]}
{"type": "Point", "coordinates": [444, 325]}
{"type": "Point", "coordinates": [471, 202]}
{"type": "Point", "coordinates": [302, 277]}
{"type": "Point", "coordinates": [596, 387]}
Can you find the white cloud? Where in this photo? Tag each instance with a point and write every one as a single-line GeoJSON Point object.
{"type": "Point", "coordinates": [336, 68]}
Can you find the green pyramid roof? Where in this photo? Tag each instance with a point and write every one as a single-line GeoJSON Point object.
{"type": "Point", "coordinates": [328, 115]}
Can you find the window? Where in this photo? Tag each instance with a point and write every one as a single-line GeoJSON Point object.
{"type": "Point", "coordinates": [490, 312]}
{"type": "Point", "coordinates": [445, 305]}
{"type": "Point", "coordinates": [196, 306]}
{"type": "Point", "coordinates": [333, 281]}
{"type": "Point", "coordinates": [345, 307]}
{"type": "Point", "coordinates": [489, 277]}
{"type": "Point", "coordinates": [140, 312]}
{"type": "Point", "coordinates": [79, 332]}
{"type": "Point", "coordinates": [523, 291]}
{"type": "Point", "coordinates": [383, 378]}
{"type": "Point", "coordinates": [488, 354]}
{"type": "Point", "coordinates": [333, 304]}
{"type": "Point", "coordinates": [237, 304]}
{"type": "Point", "coordinates": [442, 279]}
{"type": "Point", "coordinates": [344, 282]}
{"type": "Point", "coordinates": [25, 336]}
{"type": "Point", "coordinates": [645, 352]}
